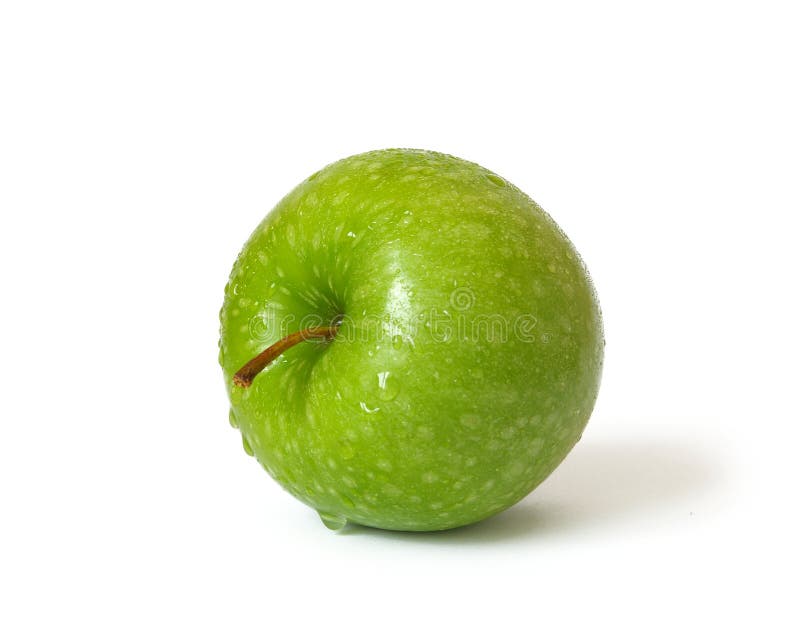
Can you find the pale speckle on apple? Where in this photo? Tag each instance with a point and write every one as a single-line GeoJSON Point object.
{"type": "Point", "coordinates": [392, 490]}
{"type": "Point", "coordinates": [429, 477]}
{"type": "Point", "coordinates": [384, 465]}
{"type": "Point", "coordinates": [470, 420]}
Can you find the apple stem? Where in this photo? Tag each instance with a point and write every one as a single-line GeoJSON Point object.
{"type": "Point", "coordinates": [245, 375]}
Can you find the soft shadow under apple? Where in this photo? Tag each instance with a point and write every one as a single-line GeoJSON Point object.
{"type": "Point", "coordinates": [598, 483]}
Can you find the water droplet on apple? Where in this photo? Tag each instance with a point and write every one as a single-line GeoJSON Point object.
{"type": "Point", "coordinates": [388, 386]}
{"type": "Point", "coordinates": [367, 409]}
{"type": "Point", "coordinates": [333, 521]}
{"type": "Point", "coordinates": [397, 341]}
{"type": "Point", "coordinates": [246, 445]}
{"type": "Point", "coordinates": [498, 181]}
{"type": "Point", "coordinates": [232, 418]}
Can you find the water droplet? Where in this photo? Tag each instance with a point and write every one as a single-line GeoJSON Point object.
{"type": "Point", "coordinates": [246, 445]}
{"type": "Point", "coordinates": [397, 341]}
{"type": "Point", "coordinates": [498, 181]}
{"type": "Point", "coordinates": [346, 500]}
{"type": "Point", "coordinates": [333, 521]}
{"type": "Point", "coordinates": [367, 409]}
{"type": "Point", "coordinates": [232, 418]}
{"type": "Point", "coordinates": [388, 386]}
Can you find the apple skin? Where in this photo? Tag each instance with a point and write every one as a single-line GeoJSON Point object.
{"type": "Point", "coordinates": [422, 413]}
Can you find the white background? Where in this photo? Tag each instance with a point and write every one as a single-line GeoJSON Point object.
{"type": "Point", "coordinates": [141, 142]}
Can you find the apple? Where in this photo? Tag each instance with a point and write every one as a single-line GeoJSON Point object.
{"type": "Point", "coordinates": [409, 342]}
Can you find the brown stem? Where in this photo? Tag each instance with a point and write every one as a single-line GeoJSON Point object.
{"type": "Point", "coordinates": [245, 375]}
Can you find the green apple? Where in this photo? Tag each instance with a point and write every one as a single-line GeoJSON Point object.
{"type": "Point", "coordinates": [451, 346]}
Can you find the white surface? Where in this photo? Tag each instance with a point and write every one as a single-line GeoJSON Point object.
{"type": "Point", "coordinates": [141, 142]}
